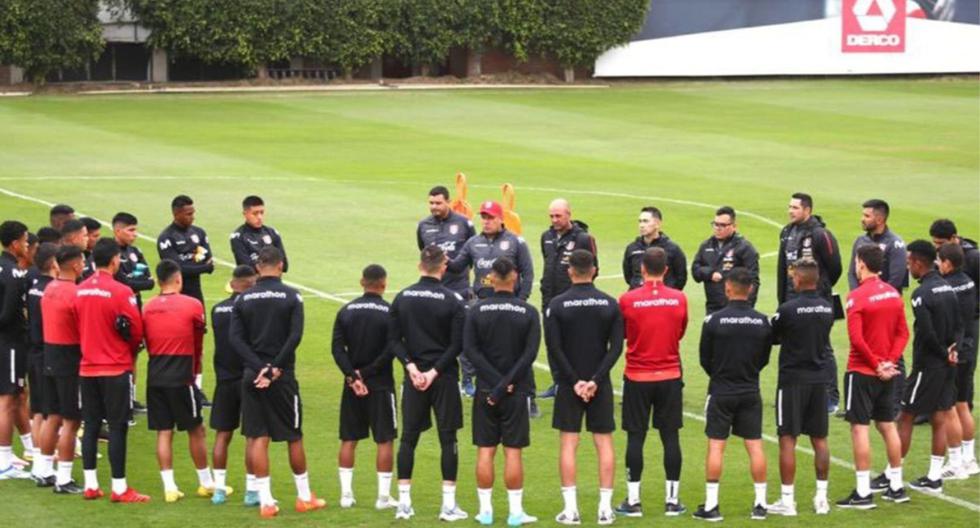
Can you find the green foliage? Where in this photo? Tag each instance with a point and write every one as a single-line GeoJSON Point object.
{"type": "Point", "coordinates": [576, 33]}
{"type": "Point", "coordinates": [42, 36]}
{"type": "Point", "coordinates": [345, 33]}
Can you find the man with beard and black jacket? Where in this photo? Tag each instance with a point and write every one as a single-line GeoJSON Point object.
{"type": "Point", "coordinates": [650, 222]}
{"type": "Point", "coordinates": [807, 237]}
{"type": "Point", "coordinates": [188, 245]}
{"type": "Point", "coordinates": [449, 230]}
{"type": "Point", "coordinates": [253, 235]}
{"type": "Point", "coordinates": [725, 250]}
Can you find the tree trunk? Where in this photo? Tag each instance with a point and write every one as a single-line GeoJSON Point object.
{"type": "Point", "coordinates": [425, 70]}
{"type": "Point", "coordinates": [262, 71]}
{"type": "Point", "coordinates": [474, 63]}
{"type": "Point", "coordinates": [569, 75]}
{"type": "Point", "coordinates": [377, 69]}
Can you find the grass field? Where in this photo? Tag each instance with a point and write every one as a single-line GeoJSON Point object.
{"type": "Point", "coordinates": [345, 175]}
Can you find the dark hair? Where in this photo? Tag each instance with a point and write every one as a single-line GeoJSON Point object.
{"type": "Point", "coordinates": [653, 211]}
{"type": "Point", "coordinates": [104, 251]}
{"type": "Point", "coordinates": [32, 239]}
{"type": "Point", "coordinates": [373, 274]}
{"type": "Point", "coordinates": [252, 201]}
{"type": "Point", "coordinates": [439, 190]}
{"type": "Point", "coordinates": [269, 256]}
{"type": "Point", "coordinates": [68, 254]}
{"type": "Point", "coordinates": [61, 210]}
{"type": "Point", "coordinates": [740, 278]}
{"type": "Point", "coordinates": [11, 231]}
{"type": "Point", "coordinates": [582, 262]}
{"type": "Point", "coordinates": [922, 251]}
{"type": "Point", "coordinates": [180, 201]}
{"type": "Point", "coordinates": [655, 261]}
{"type": "Point", "coordinates": [47, 254]}
{"type": "Point", "coordinates": [953, 253]}
{"type": "Point", "coordinates": [943, 228]}
{"type": "Point", "coordinates": [71, 226]}
{"type": "Point", "coordinates": [872, 256]}
{"type": "Point", "coordinates": [432, 258]}
{"type": "Point", "coordinates": [124, 219]}
{"type": "Point", "coordinates": [878, 206]}
{"type": "Point", "coordinates": [167, 270]}
{"type": "Point", "coordinates": [91, 224]}
{"type": "Point", "coordinates": [726, 210]}
{"type": "Point", "coordinates": [806, 201]}
{"type": "Point", "coordinates": [503, 267]}
{"type": "Point", "coordinates": [48, 234]}
{"type": "Point", "coordinates": [243, 271]}
{"type": "Point", "coordinates": [807, 269]}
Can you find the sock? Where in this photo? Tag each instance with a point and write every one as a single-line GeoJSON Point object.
{"type": "Point", "coordinates": [956, 456]}
{"type": "Point", "coordinates": [37, 466]}
{"type": "Point", "coordinates": [250, 482]}
{"type": "Point", "coordinates": [303, 487]}
{"type": "Point", "coordinates": [28, 442]}
{"type": "Point", "coordinates": [167, 475]}
{"type": "Point", "coordinates": [199, 381]}
{"type": "Point", "coordinates": [710, 496]}
{"type": "Point", "coordinates": [264, 486]}
{"type": "Point", "coordinates": [6, 457]}
{"type": "Point", "coordinates": [968, 454]}
{"type": "Point", "coordinates": [633, 492]}
{"type": "Point", "coordinates": [516, 498]}
{"type": "Point", "coordinates": [760, 493]}
{"type": "Point", "coordinates": [788, 494]}
{"type": "Point", "coordinates": [605, 499]}
{"type": "Point", "coordinates": [569, 494]}
{"type": "Point", "coordinates": [91, 479]}
{"type": "Point", "coordinates": [486, 499]}
{"type": "Point", "coordinates": [204, 477]}
{"type": "Point", "coordinates": [863, 482]}
{"type": "Point", "coordinates": [119, 486]}
{"type": "Point", "coordinates": [220, 479]}
{"type": "Point", "coordinates": [894, 477]}
{"type": "Point", "coordinates": [405, 495]}
{"type": "Point", "coordinates": [48, 466]}
{"type": "Point", "coordinates": [384, 484]}
{"type": "Point", "coordinates": [64, 472]}
{"type": "Point", "coordinates": [935, 467]}
{"type": "Point", "coordinates": [448, 496]}
{"type": "Point", "coordinates": [346, 480]}
{"type": "Point", "coordinates": [822, 489]}
{"type": "Point", "coordinates": [671, 489]}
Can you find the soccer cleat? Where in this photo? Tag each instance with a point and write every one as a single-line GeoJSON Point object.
{"type": "Point", "coordinates": [14, 473]}
{"type": "Point", "coordinates": [533, 411]}
{"type": "Point", "coordinates": [897, 496]}
{"type": "Point", "coordinates": [759, 512]}
{"type": "Point", "coordinates": [484, 518]}
{"type": "Point", "coordinates": [821, 506]}
{"type": "Point", "coordinates": [880, 484]}
{"type": "Point", "coordinates": [251, 498]}
{"type": "Point", "coordinates": [857, 502]}
{"type": "Point", "coordinates": [313, 504]}
{"type": "Point", "coordinates": [172, 496]}
{"type": "Point", "coordinates": [220, 497]}
{"type": "Point", "coordinates": [550, 392]}
{"type": "Point", "coordinates": [92, 494]}
{"type": "Point", "coordinates": [347, 500]}
{"type": "Point", "coordinates": [951, 472]}
{"type": "Point", "coordinates": [69, 488]}
{"type": "Point", "coordinates": [674, 509]}
{"type": "Point", "coordinates": [467, 387]}
{"type": "Point", "coordinates": [833, 407]}
{"type": "Point", "coordinates": [928, 486]}
{"type": "Point", "coordinates": [712, 515]}
{"type": "Point", "coordinates": [130, 496]}
{"type": "Point", "coordinates": [205, 402]}
{"type": "Point", "coordinates": [629, 510]}
{"type": "Point", "coordinates": [972, 468]}
{"type": "Point", "coordinates": [568, 518]}
{"type": "Point", "coordinates": [453, 514]}
{"type": "Point", "coordinates": [522, 519]}
{"type": "Point", "coordinates": [605, 518]}
{"type": "Point", "coordinates": [385, 503]}
{"type": "Point", "coordinates": [404, 512]}
{"type": "Point", "coordinates": [139, 407]}
{"type": "Point", "coordinates": [205, 492]}
{"type": "Point", "coordinates": [785, 509]}
{"type": "Point", "coordinates": [268, 511]}
{"type": "Point", "coordinates": [44, 482]}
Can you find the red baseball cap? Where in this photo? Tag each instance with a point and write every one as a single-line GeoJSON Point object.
{"type": "Point", "coordinates": [491, 208]}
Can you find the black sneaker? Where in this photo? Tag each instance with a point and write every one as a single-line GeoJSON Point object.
{"type": "Point", "coordinates": [629, 510]}
{"type": "Point", "coordinates": [759, 512]}
{"type": "Point", "coordinates": [897, 496]}
{"type": "Point", "coordinates": [712, 515]}
{"type": "Point", "coordinates": [857, 502]}
{"type": "Point", "coordinates": [534, 411]}
{"type": "Point", "coordinates": [71, 488]}
{"type": "Point", "coordinates": [138, 407]}
{"type": "Point", "coordinates": [550, 392]}
{"type": "Point", "coordinates": [44, 482]}
{"type": "Point", "coordinates": [926, 485]}
{"type": "Point", "coordinates": [205, 402]}
{"type": "Point", "coordinates": [880, 484]}
{"type": "Point", "coordinates": [674, 510]}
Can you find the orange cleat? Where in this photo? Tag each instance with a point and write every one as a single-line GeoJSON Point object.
{"type": "Point", "coordinates": [129, 496]}
{"type": "Point", "coordinates": [311, 505]}
{"type": "Point", "coordinates": [92, 494]}
{"type": "Point", "coordinates": [268, 512]}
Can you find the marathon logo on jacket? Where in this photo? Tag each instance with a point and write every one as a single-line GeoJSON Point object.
{"type": "Point", "coordinates": [656, 303]}
{"type": "Point", "coordinates": [583, 303]}
{"type": "Point", "coordinates": [503, 307]}
{"type": "Point", "coordinates": [426, 294]}
{"type": "Point", "coordinates": [223, 309]}
{"type": "Point", "coordinates": [94, 292]}
{"type": "Point", "coordinates": [805, 310]}
{"type": "Point", "coordinates": [368, 306]}
{"type": "Point", "coordinates": [264, 295]}
{"type": "Point", "coordinates": [755, 321]}
{"type": "Point", "coordinates": [873, 26]}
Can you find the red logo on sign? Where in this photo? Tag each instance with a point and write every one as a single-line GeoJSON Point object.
{"type": "Point", "coordinates": [874, 26]}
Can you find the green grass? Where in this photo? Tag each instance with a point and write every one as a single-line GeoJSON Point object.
{"type": "Point", "coordinates": [345, 176]}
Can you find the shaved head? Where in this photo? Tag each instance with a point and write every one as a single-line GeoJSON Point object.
{"type": "Point", "coordinates": [560, 214]}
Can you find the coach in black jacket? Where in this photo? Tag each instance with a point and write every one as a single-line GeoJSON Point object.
{"type": "Point", "coordinates": [718, 255]}
{"type": "Point", "coordinates": [651, 236]}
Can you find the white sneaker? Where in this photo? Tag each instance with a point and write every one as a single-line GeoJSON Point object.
{"type": "Point", "coordinates": [568, 518]}
{"type": "Point", "coordinates": [821, 505]}
{"type": "Point", "coordinates": [786, 509]}
{"type": "Point", "coordinates": [385, 503]}
{"type": "Point", "coordinates": [972, 468]}
{"type": "Point", "coordinates": [347, 500]}
{"type": "Point", "coordinates": [605, 518]}
{"type": "Point", "coordinates": [453, 515]}
{"type": "Point", "coordinates": [404, 512]}
{"type": "Point", "coordinates": [954, 472]}
{"type": "Point", "coordinates": [14, 473]}
{"type": "Point", "coordinates": [519, 520]}
{"type": "Point", "coordinates": [18, 462]}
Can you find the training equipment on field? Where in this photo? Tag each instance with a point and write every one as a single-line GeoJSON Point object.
{"type": "Point", "coordinates": [459, 203]}
{"type": "Point", "coordinates": [512, 220]}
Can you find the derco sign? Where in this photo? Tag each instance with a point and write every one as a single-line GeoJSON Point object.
{"type": "Point", "coordinates": [873, 26]}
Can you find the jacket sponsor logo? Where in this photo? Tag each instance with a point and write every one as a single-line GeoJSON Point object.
{"type": "Point", "coordinates": [943, 288]}
{"type": "Point", "coordinates": [368, 306]}
{"type": "Point", "coordinates": [656, 303]}
{"type": "Point", "coordinates": [916, 302]}
{"type": "Point", "coordinates": [485, 263]}
{"type": "Point", "coordinates": [884, 296]}
{"type": "Point", "coordinates": [35, 292]}
{"type": "Point", "coordinates": [268, 294]}
{"type": "Point", "coordinates": [963, 287]}
{"type": "Point", "coordinates": [165, 244]}
{"type": "Point", "coordinates": [591, 301]}
{"type": "Point", "coordinates": [453, 229]}
{"type": "Point", "coordinates": [503, 307]}
{"type": "Point", "coordinates": [18, 274]}
{"type": "Point", "coordinates": [425, 294]}
{"type": "Point", "coordinates": [745, 320]}
{"type": "Point", "coordinates": [814, 310]}
{"type": "Point", "coordinates": [223, 309]}
{"type": "Point", "coordinates": [448, 246]}
{"type": "Point", "coordinates": [94, 292]}
{"type": "Point", "coordinates": [873, 26]}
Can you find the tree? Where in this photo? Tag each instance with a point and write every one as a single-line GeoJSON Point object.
{"type": "Point", "coordinates": [345, 33]}
{"type": "Point", "coordinates": [42, 36]}
{"type": "Point", "coordinates": [424, 31]}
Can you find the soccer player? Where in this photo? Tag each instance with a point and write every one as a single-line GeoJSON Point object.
{"type": "Point", "coordinates": [650, 223]}
{"type": "Point", "coordinates": [557, 244]}
{"type": "Point", "coordinates": [266, 327]}
{"type": "Point", "coordinates": [42, 469]}
{"type": "Point", "coordinates": [60, 214]}
{"type": "Point", "coordinates": [943, 231]}
{"type": "Point", "coordinates": [62, 354]}
{"type": "Point", "coordinates": [584, 336]}
{"type": "Point", "coordinates": [186, 244]}
{"type": "Point", "coordinates": [174, 328]}
{"type": "Point", "coordinates": [110, 332]}
{"type": "Point", "coordinates": [13, 339]}
{"type": "Point", "coordinates": [931, 387]}
{"type": "Point", "coordinates": [960, 432]}
{"type": "Point", "coordinates": [253, 235]}
{"type": "Point", "coordinates": [93, 231]}
{"type": "Point", "coordinates": [802, 327]}
{"type": "Point", "coordinates": [656, 319]}
{"type": "Point", "coordinates": [133, 269]}
{"type": "Point", "coordinates": [226, 408]}
{"type": "Point", "coordinates": [725, 250]}
{"type": "Point", "coordinates": [360, 349]}
{"type": "Point", "coordinates": [735, 346]}
{"type": "Point", "coordinates": [74, 233]}
{"type": "Point", "coordinates": [877, 331]}
{"type": "Point", "coordinates": [806, 236]}
{"type": "Point", "coordinates": [48, 234]}
{"type": "Point", "coordinates": [501, 338]}
{"type": "Point", "coordinates": [426, 333]}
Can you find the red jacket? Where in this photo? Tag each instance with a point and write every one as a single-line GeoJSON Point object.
{"type": "Point", "coordinates": [58, 313]}
{"type": "Point", "coordinates": [876, 326]}
{"type": "Point", "coordinates": [100, 300]}
{"type": "Point", "coordinates": [656, 319]}
{"type": "Point", "coordinates": [174, 326]}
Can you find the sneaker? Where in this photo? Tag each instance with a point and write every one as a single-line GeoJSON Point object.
{"type": "Point", "coordinates": [44, 482]}
{"type": "Point", "coordinates": [219, 497]}
{"type": "Point", "coordinates": [550, 392]}
{"type": "Point", "coordinates": [821, 506]}
{"type": "Point", "coordinates": [833, 407]}
{"type": "Point", "coordinates": [14, 473]}
{"type": "Point", "coordinates": [534, 411]}
{"type": "Point", "coordinates": [926, 485]}
{"type": "Point", "coordinates": [172, 496]}
{"type": "Point", "coordinates": [92, 494]}
{"type": "Point", "coordinates": [972, 468]}
{"type": "Point", "coordinates": [205, 402]}
{"type": "Point", "coordinates": [206, 492]}
{"type": "Point", "coordinates": [385, 503]}
{"type": "Point", "coordinates": [759, 512]}
{"type": "Point", "coordinates": [568, 518]}
{"type": "Point", "coordinates": [453, 514]}
{"type": "Point", "coordinates": [404, 512]}
{"type": "Point", "coordinates": [467, 387]}
{"type": "Point", "coordinates": [712, 515]}
{"type": "Point", "coordinates": [347, 500]}
{"type": "Point", "coordinates": [251, 499]}
{"type": "Point", "coordinates": [313, 504]}
{"type": "Point", "coordinates": [268, 511]}
{"type": "Point", "coordinates": [951, 472]}
{"type": "Point", "coordinates": [18, 462]}
{"type": "Point", "coordinates": [880, 484]}
{"type": "Point", "coordinates": [785, 509]}
{"type": "Point", "coordinates": [138, 407]}
{"type": "Point", "coordinates": [629, 510]}
{"type": "Point", "coordinates": [605, 518]}
{"type": "Point", "coordinates": [674, 509]}
{"type": "Point", "coordinates": [484, 518]}
{"type": "Point", "coordinates": [129, 496]}
{"type": "Point", "coordinates": [523, 518]}
{"type": "Point", "coordinates": [857, 502]}
{"type": "Point", "coordinates": [69, 488]}
{"type": "Point", "coordinates": [897, 496]}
